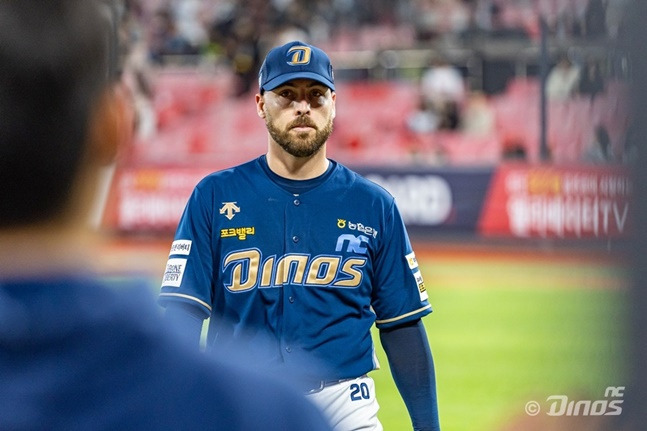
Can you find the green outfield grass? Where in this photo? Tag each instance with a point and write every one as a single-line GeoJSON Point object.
{"type": "Point", "coordinates": [507, 328]}
{"type": "Point", "coordinates": [507, 331]}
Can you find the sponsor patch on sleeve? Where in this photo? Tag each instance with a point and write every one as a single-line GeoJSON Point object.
{"type": "Point", "coordinates": [181, 247]}
{"type": "Point", "coordinates": [174, 272]}
{"type": "Point", "coordinates": [422, 290]}
{"type": "Point", "coordinates": [411, 260]}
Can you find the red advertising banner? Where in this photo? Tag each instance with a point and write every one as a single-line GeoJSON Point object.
{"type": "Point", "coordinates": [544, 201]}
{"type": "Point", "coordinates": [511, 200]}
{"type": "Point", "coordinates": [150, 199]}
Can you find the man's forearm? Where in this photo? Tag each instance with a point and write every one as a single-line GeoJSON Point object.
{"type": "Point", "coordinates": [412, 366]}
{"type": "Point", "coordinates": [186, 322]}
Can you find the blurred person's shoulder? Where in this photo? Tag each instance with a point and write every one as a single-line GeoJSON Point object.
{"type": "Point", "coordinates": [97, 350]}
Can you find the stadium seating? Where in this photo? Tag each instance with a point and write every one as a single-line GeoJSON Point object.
{"type": "Point", "coordinates": [199, 120]}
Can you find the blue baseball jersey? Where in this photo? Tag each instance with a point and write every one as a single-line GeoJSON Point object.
{"type": "Point", "coordinates": [299, 269]}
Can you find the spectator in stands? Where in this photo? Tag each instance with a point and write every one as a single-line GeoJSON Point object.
{"type": "Point", "coordinates": [591, 81]}
{"type": "Point", "coordinates": [443, 91]}
{"type": "Point", "coordinates": [245, 55]}
{"type": "Point", "coordinates": [503, 30]}
{"type": "Point", "coordinates": [435, 19]}
{"type": "Point", "coordinates": [514, 148]}
{"type": "Point", "coordinates": [629, 141]}
{"type": "Point", "coordinates": [238, 36]}
{"type": "Point", "coordinates": [188, 21]}
{"type": "Point", "coordinates": [478, 118]}
{"type": "Point", "coordinates": [481, 14]}
{"type": "Point", "coordinates": [562, 79]}
{"type": "Point", "coordinates": [165, 40]}
{"type": "Point", "coordinates": [600, 150]}
{"type": "Point", "coordinates": [424, 119]}
{"type": "Point", "coordinates": [136, 74]}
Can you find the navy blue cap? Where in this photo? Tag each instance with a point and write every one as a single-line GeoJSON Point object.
{"type": "Point", "coordinates": [295, 60]}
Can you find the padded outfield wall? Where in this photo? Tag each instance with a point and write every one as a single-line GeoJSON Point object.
{"type": "Point", "coordinates": [520, 201]}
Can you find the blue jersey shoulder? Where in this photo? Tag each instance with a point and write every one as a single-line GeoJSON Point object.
{"type": "Point", "coordinates": [368, 186]}
{"type": "Point", "coordinates": [233, 173]}
{"type": "Point", "coordinates": [360, 192]}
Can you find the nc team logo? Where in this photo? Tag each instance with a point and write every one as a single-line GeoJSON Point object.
{"type": "Point", "coordinates": [298, 55]}
{"type": "Point", "coordinates": [561, 405]}
{"type": "Point", "coordinates": [352, 244]}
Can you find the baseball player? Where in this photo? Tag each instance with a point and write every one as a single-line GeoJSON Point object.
{"type": "Point", "coordinates": [299, 256]}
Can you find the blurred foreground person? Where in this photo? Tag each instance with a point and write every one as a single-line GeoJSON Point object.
{"type": "Point", "coordinates": [74, 352]}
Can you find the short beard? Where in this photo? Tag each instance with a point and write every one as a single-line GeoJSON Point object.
{"type": "Point", "coordinates": [301, 146]}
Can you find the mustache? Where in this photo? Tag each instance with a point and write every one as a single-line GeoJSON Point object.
{"type": "Point", "coordinates": [302, 122]}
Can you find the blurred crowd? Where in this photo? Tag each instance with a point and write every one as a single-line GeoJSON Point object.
{"type": "Point", "coordinates": [235, 35]}
{"type": "Point", "coordinates": [242, 31]}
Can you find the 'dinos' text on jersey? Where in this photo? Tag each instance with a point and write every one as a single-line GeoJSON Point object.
{"type": "Point", "coordinates": [247, 269]}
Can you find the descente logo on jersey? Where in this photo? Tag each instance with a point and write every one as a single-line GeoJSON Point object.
{"type": "Point", "coordinates": [229, 209]}
{"type": "Point", "coordinates": [342, 224]}
{"type": "Point", "coordinates": [246, 269]}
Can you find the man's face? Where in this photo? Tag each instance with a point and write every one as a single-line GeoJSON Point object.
{"type": "Point", "coordinates": [299, 115]}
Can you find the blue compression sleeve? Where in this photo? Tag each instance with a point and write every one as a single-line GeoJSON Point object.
{"type": "Point", "coordinates": [185, 320]}
{"type": "Point", "coordinates": [412, 366]}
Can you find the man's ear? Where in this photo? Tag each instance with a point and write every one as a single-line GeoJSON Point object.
{"type": "Point", "coordinates": [260, 105]}
{"type": "Point", "coordinates": [111, 125]}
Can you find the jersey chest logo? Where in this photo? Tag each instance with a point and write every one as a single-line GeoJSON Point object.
{"type": "Point", "coordinates": [229, 209]}
{"type": "Point", "coordinates": [352, 244]}
{"type": "Point", "coordinates": [367, 230]}
{"type": "Point", "coordinates": [246, 269]}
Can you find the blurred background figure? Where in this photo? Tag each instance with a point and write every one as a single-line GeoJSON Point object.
{"type": "Point", "coordinates": [165, 41]}
{"type": "Point", "coordinates": [562, 80]}
{"type": "Point", "coordinates": [600, 149]}
{"type": "Point", "coordinates": [443, 92]}
{"type": "Point", "coordinates": [478, 117]}
{"type": "Point", "coordinates": [591, 82]}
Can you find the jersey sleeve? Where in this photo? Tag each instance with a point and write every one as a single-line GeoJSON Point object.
{"type": "Point", "coordinates": [399, 293]}
{"type": "Point", "coordinates": [188, 276]}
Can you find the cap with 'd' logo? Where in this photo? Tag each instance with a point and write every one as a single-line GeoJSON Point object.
{"type": "Point", "coordinates": [295, 60]}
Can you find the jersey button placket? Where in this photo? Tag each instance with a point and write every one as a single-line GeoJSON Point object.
{"type": "Point", "coordinates": [296, 202]}
{"type": "Point", "coordinates": [293, 228]}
